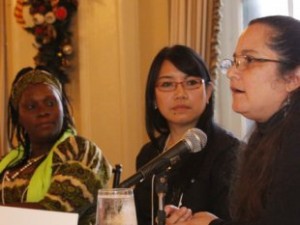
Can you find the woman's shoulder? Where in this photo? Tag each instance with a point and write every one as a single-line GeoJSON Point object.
{"type": "Point", "coordinates": [146, 153]}
{"type": "Point", "coordinates": [80, 141]}
{"type": "Point", "coordinates": [220, 136]}
{"type": "Point", "coordinates": [222, 144]}
{"type": "Point", "coordinates": [77, 146]}
{"type": "Point", "coordinates": [149, 151]}
{"type": "Point", "coordinates": [151, 148]}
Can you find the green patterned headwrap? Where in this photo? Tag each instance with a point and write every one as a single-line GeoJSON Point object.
{"type": "Point", "coordinates": [35, 76]}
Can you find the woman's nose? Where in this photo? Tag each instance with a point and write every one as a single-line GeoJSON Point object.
{"type": "Point", "coordinates": [42, 111]}
{"type": "Point", "coordinates": [232, 73]}
{"type": "Point", "coordinates": [180, 91]}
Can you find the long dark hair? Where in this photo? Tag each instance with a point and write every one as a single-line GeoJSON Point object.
{"type": "Point", "coordinates": [16, 132]}
{"type": "Point", "coordinates": [188, 61]}
{"type": "Point", "coordinates": [256, 169]}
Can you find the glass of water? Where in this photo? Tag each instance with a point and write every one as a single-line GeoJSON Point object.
{"type": "Point", "coordinates": [116, 207]}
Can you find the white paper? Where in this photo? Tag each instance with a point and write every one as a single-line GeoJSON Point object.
{"type": "Point", "coordinates": [21, 216]}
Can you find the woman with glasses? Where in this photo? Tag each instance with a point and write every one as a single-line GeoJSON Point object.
{"type": "Point", "coordinates": [179, 96]}
{"type": "Point", "coordinates": [264, 79]}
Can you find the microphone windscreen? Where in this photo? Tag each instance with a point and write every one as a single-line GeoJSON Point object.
{"type": "Point", "coordinates": [196, 139]}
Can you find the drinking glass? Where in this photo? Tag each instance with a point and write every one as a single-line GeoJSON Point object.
{"type": "Point", "coordinates": [116, 207]}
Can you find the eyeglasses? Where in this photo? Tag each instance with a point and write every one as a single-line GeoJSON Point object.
{"type": "Point", "coordinates": [189, 84]}
{"type": "Point", "coordinates": [241, 62]}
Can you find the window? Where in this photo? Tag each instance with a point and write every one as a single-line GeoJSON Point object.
{"type": "Point", "coordinates": [258, 8]}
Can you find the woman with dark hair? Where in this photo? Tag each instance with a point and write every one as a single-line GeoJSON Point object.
{"type": "Point", "coordinates": [179, 96]}
{"type": "Point", "coordinates": [264, 79]}
{"type": "Point", "coordinates": [49, 166]}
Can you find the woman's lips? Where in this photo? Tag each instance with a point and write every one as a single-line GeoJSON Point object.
{"type": "Point", "coordinates": [236, 90]}
{"type": "Point", "coordinates": [45, 125]}
{"type": "Point", "coordinates": [180, 107]}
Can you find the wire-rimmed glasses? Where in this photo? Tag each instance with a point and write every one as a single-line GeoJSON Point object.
{"type": "Point", "coordinates": [241, 62]}
{"type": "Point", "coordinates": [188, 84]}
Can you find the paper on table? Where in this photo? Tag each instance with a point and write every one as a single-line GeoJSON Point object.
{"type": "Point", "coordinates": [21, 216]}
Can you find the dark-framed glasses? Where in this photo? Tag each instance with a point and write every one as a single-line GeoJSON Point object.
{"type": "Point", "coordinates": [188, 84]}
{"type": "Point", "coordinates": [242, 62]}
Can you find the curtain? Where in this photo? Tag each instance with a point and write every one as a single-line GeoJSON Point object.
{"type": "Point", "coordinates": [196, 23]}
{"type": "Point", "coordinates": [3, 72]}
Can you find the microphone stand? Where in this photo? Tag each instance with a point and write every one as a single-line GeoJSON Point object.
{"type": "Point", "coordinates": [117, 174]}
{"type": "Point", "coordinates": [161, 187]}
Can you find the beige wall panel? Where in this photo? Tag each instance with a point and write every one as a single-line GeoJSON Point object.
{"type": "Point", "coordinates": [117, 41]}
{"type": "Point", "coordinates": [100, 109]}
{"type": "Point", "coordinates": [3, 69]}
{"type": "Point", "coordinates": [154, 31]}
{"type": "Point", "coordinates": [20, 44]}
{"type": "Point", "coordinates": [19, 52]}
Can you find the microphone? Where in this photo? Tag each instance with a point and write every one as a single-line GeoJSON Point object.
{"type": "Point", "coordinates": [194, 140]}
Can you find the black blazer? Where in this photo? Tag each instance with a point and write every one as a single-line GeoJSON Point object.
{"type": "Point", "coordinates": [201, 182]}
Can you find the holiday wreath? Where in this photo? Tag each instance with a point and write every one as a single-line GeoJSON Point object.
{"type": "Point", "coordinates": [49, 22]}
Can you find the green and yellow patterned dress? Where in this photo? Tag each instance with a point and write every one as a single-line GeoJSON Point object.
{"type": "Point", "coordinates": [67, 179]}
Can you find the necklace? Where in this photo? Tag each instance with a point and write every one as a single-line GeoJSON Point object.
{"type": "Point", "coordinates": [6, 176]}
{"type": "Point", "coordinates": [166, 143]}
{"type": "Point", "coordinates": [28, 164]}
{"type": "Point", "coordinates": [169, 143]}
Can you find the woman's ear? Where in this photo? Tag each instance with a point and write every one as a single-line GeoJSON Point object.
{"type": "Point", "coordinates": [293, 80]}
{"type": "Point", "coordinates": [209, 91]}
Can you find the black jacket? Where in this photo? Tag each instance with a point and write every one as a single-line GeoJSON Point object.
{"type": "Point", "coordinates": [282, 205]}
{"type": "Point", "coordinates": [202, 179]}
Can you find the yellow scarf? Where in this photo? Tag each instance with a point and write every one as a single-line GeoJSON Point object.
{"type": "Point", "coordinates": [41, 178]}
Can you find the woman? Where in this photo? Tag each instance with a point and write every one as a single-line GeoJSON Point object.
{"type": "Point", "coordinates": [264, 80]}
{"type": "Point", "coordinates": [179, 96]}
{"type": "Point", "coordinates": [49, 167]}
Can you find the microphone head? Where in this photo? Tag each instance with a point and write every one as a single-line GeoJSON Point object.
{"type": "Point", "coordinates": [196, 139]}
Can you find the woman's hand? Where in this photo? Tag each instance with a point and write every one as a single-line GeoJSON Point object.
{"type": "Point", "coordinates": [202, 218]}
{"type": "Point", "coordinates": [177, 215]}
{"type": "Point", "coordinates": [183, 216]}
